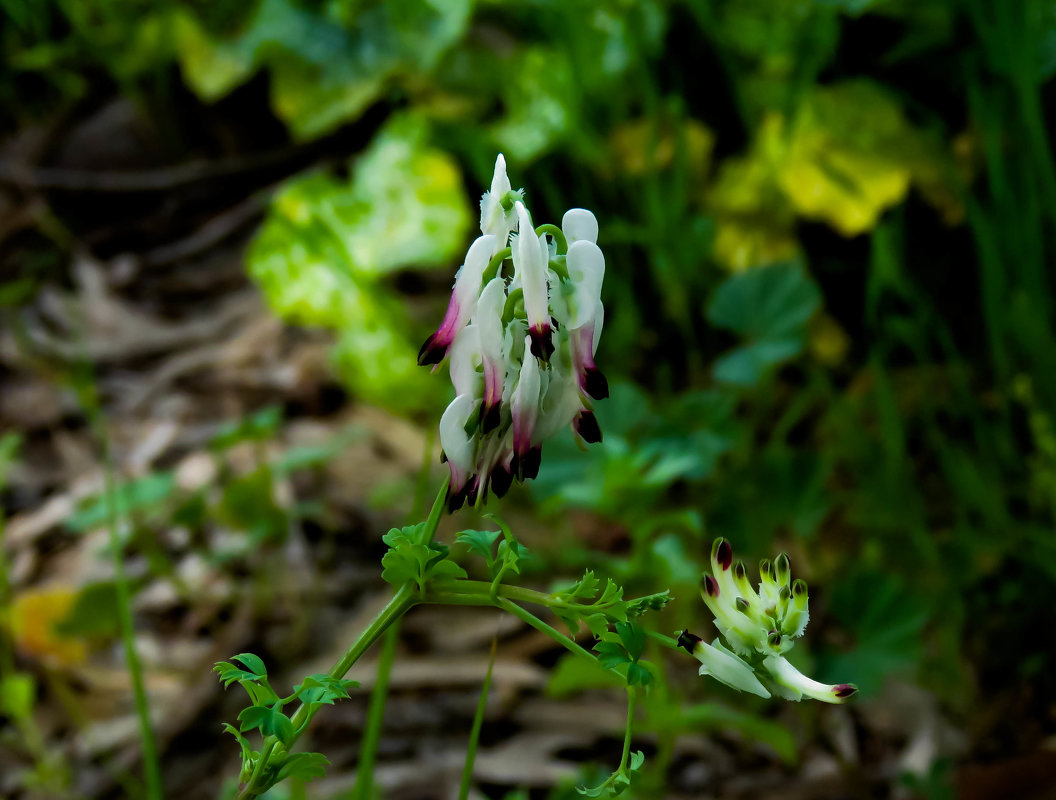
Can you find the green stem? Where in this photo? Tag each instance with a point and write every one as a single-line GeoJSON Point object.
{"type": "Point", "coordinates": [432, 522]}
{"type": "Point", "coordinates": [519, 593]}
{"type": "Point", "coordinates": [632, 697]}
{"type": "Point", "coordinates": [368, 750]}
{"type": "Point", "coordinates": [539, 625]}
{"type": "Point", "coordinates": [557, 233]}
{"type": "Point", "coordinates": [494, 265]}
{"type": "Point", "coordinates": [151, 766]}
{"type": "Point", "coordinates": [478, 721]}
{"type": "Point", "coordinates": [667, 641]}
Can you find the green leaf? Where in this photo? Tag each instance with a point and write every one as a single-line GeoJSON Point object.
{"type": "Point", "coordinates": [611, 654]}
{"type": "Point", "coordinates": [407, 560]}
{"type": "Point", "coordinates": [510, 553]}
{"type": "Point", "coordinates": [633, 638]}
{"type": "Point", "coordinates": [9, 444]}
{"type": "Point", "coordinates": [322, 688]}
{"type": "Point", "coordinates": [322, 255]}
{"type": "Point", "coordinates": [270, 721]}
{"type": "Point", "coordinates": [95, 613]}
{"type": "Point", "coordinates": [769, 307]}
{"type": "Point", "coordinates": [144, 493]}
{"type": "Point", "coordinates": [585, 589]}
{"type": "Point", "coordinates": [446, 570]}
{"type": "Point", "coordinates": [229, 673]}
{"type": "Point", "coordinates": [303, 766]}
{"type": "Point", "coordinates": [638, 675]}
{"type": "Point", "coordinates": [637, 759]}
{"type": "Point", "coordinates": [253, 663]}
{"type": "Point", "coordinates": [650, 602]}
{"type": "Point", "coordinates": [248, 503]}
{"type": "Point", "coordinates": [18, 695]}
{"type": "Point", "coordinates": [480, 542]}
{"type": "Point", "coordinates": [247, 751]}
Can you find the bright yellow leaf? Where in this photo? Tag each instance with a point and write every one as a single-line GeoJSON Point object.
{"type": "Point", "coordinates": [34, 615]}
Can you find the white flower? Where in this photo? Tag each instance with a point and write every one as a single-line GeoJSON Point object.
{"type": "Point", "coordinates": [759, 626]}
{"type": "Point", "coordinates": [518, 377]}
{"type": "Point", "coordinates": [463, 303]}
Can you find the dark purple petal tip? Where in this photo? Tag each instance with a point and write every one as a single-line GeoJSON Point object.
{"type": "Point", "coordinates": [455, 500]}
{"type": "Point", "coordinates": [688, 641]}
{"type": "Point", "coordinates": [723, 553]}
{"type": "Point", "coordinates": [595, 383]}
{"type": "Point", "coordinates": [501, 481]}
{"type": "Point", "coordinates": [542, 343]}
{"type": "Point", "coordinates": [530, 463]}
{"type": "Point", "coordinates": [711, 586]}
{"type": "Point", "coordinates": [586, 425]}
{"type": "Point", "coordinates": [432, 352]}
{"type": "Point", "coordinates": [845, 691]}
{"type": "Point", "coordinates": [490, 417]}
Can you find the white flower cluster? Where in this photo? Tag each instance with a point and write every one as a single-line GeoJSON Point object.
{"type": "Point", "coordinates": [758, 627]}
{"type": "Point", "coordinates": [521, 347]}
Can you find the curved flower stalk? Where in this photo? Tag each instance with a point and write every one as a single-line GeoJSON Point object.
{"type": "Point", "coordinates": [521, 346]}
{"type": "Point", "coordinates": [757, 628]}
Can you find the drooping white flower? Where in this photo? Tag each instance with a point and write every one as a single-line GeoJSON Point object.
{"type": "Point", "coordinates": [723, 665]}
{"type": "Point", "coordinates": [521, 346]}
{"type": "Point", "coordinates": [463, 301]}
{"type": "Point", "coordinates": [531, 255]}
{"type": "Point", "coordinates": [759, 625]}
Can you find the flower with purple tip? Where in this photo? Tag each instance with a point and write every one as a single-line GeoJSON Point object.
{"type": "Point", "coordinates": [757, 627]}
{"type": "Point", "coordinates": [520, 342]}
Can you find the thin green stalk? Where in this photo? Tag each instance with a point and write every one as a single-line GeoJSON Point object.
{"type": "Point", "coordinates": [368, 748]}
{"type": "Point", "coordinates": [632, 697]}
{"type": "Point", "coordinates": [478, 722]}
{"type": "Point", "coordinates": [400, 603]}
{"type": "Point", "coordinates": [667, 641]}
{"type": "Point", "coordinates": [151, 765]}
{"type": "Point", "coordinates": [539, 625]}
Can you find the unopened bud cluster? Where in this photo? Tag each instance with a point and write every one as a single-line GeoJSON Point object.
{"type": "Point", "coordinates": [521, 346]}
{"type": "Point", "coordinates": [757, 627]}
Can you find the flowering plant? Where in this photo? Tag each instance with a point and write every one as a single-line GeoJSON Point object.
{"type": "Point", "coordinates": [521, 348]}
{"type": "Point", "coordinates": [520, 341]}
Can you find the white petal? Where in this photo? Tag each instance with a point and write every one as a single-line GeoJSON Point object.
{"type": "Point", "coordinates": [599, 322]}
{"type": "Point", "coordinates": [791, 678]}
{"type": "Point", "coordinates": [725, 667]}
{"type": "Point", "coordinates": [586, 270]}
{"type": "Point", "coordinates": [525, 403]}
{"type": "Point", "coordinates": [467, 281]}
{"type": "Point", "coordinates": [493, 218]}
{"type": "Point", "coordinates": [562, 400]}
{"type": "Point", "coordinates": [465, 355]}
{"type": "Point", "coordinates": [458, 446]}
{"type": "Point", "coordinates": [579, 224]}
{"type": "Point", "coordinates": [530, 265]}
